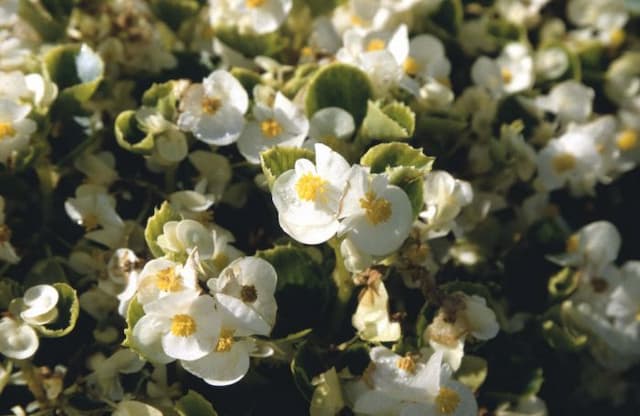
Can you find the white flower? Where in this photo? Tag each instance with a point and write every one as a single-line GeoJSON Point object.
{"type": "Point", "coordinates": [606, 17]}
{"type": "Point", "coordinates": [245, 289]}
{"type": "Point", "coordinates": [135, 408]}
{"type": "Point", "coordinates": [355, 260]}
{"type": "Point", "coordinates": [38, 305]}
{"type": "Point", "coordinates": [181, 237]}
{"type": "Point", "coordinates": [98, 167]}
{"type": "Point", "coordinates": [308, 197]}
{"type": "Point", "coordinates": [624, 304]}
{"type": "Point", "coordinates": [377, 215]}
{"type": "Point", "coordinates": [9, 13]}
{"type": "Point", "coordinates": [520, 11]}
{"type": "Point", "coordinates": [105, 378]}
{"type": "Point", "coordinates": [330, 125]}
{"type": "Point", "coordinates": [214, 170]}
{"type": "Point", "coordinates": [193, 203]}
{"type": "Point", "coordinates": [182, 325]}
{"type": "Point", "coordinates": [19, 341]}
{"type": "Point", "coordinates": [161, 277]}
{"type": "Point", "coordinates": [327, 397]}
{"type": "Point", "coordinates": [257, 16]}
{"type": "Point", "coordinates": [569, 100]}
{"type": "Point", "coordinates": [510, 73]}
{"type": "Point", "coordinates": [15, 128]}
{"type": "Point", "coordinates": [444, 197]}
{"type": "Point", "coordinates": [551, 63]}
{"type": "Point", "coordinates": [279, 124]}
{"type": "Point", "coordinates": [371, 317]}
{"type": "Point", "coordinates": [214, 110]}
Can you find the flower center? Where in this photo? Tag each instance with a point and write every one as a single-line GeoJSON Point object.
{"type": "Point", "coordinates": [563, 162]}
{"type": "Point", "coordinates": [406, 364]}
{"type": "Point", "coordinates": [5, 233]}
{"type": "Point", "coordinates": [447, 400]}
{"type": "Point", "coordinates": [90, 222]}
{"type": "Point", "coordinates": [309, 187]}
{"type": "Point", "coordinates": [183, 325]}
{"type": "Point", "coordinates": [248, 293]}
{"type": "Point", "coordinates": [225, 341]}
{"type": "Point", "coordinates": [375, 44]}
{"type": "Point", "coordinates": [6, 130]}
{"type": "Point", "coordinates": [410, 66]}
{"type": "Point", "coordinates": [378, 210]}
{"type": "Point", "coordinates": [167, 281]}
{"type": "Point", "coordinates": [254, 3]}
{"type": "Point", "coordinates": [506, 75]}
{"type": "Point", "coordinates": [270, 128]}
{"type": "Point", "coordinates": [618, 37]}
{"type": "Point", "coordinates": [572, 244]}
{"type": "Point", "coordinates": [627, 140]}
{"type": "Point", "coordinates": [210, 105]}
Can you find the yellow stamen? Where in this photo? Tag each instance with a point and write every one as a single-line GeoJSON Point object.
{"type": "Point", "coordinates": [183, 325]}
{"type": "Point", "coordinates": [310, 187]}
{"type": "Point", "coordinates": [447, 400]}
{"type": "Point", "coordinates": [254, 3]}
{"type": "Point", "coordinates": [90, 222]}
{"type": "Point", "coordinates": [506, 75]}
{"type": "Point", "coordinates": [210, 105]}
{"type": "Point", "coordinates": [306, 51]}
{"type": "Point", "coordinates": [375, 44]}
{"type": "Point", "coordinates": [618, 36]}
{"type": "Point", "coordinates": [6, 130]}
{"type": "Point", "coordinates": [270, 128]}
{"type": "Point", "coordinates": [407, 364]}
{"type": "Point", "coordinates": [356, 20]}
{"type": "Point", "coordinates": [248, 293]}
{"type": "Point", "coordinates": [411, 66]}
{"type": "Point", "coordinates": [638, 316]}
{"type": "Point", "coordinates": [563, 162]}
{"type": "Point", "coordinates": [225, 341]}
{"type": "Point", "coordinates": [378, 210]}
{"type": "Point", "coordinates": [572, 244]}
{"type": "Point", "coordinates": [627, 140]}
{"type": "Point", "coordinates": [167, 281]}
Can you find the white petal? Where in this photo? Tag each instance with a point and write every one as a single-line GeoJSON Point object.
{"type": "Point", "coordinates": [221, 368]}
{"type": "Point", "coordinates": [18, 341]}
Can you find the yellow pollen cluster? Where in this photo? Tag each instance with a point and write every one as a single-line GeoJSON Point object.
{"type": "Point", "coordinates": [210, 105]}
{"type": "Point", "coordinates": [225, 341]}
{"type": "Point", "coordinates": [627, 140]}
{"type": "Point", "coordinates": [356, 20]}
{"type": "Point", "coordinates": [618, 36]}
{"type": "Point", "coordinates": [638, 316]}
{"type": "Point", "coordinates": [90, 222]}
{"type": "Point", "coordinates": [167, 281]}
{"type": "Point", "coordinates": [6, 130]}
{"type": "Point", "coordinates": [563, 162]}
{"type": "Point", "coordinates": [183, 325]}
{"type": "Point", "coordinates": [447, 400]}
{"type": "Point", "coordinates": [506, 75]}
{"type": "Point", "coordinates": [572, 243]}
{"type": "Point", "coordinates": [306, 51]}
{"type": "Point", "coordinates": [406, 364]}
{"type": "Point", "coordinates": [375, 44]}
{"type": "Point", "coordinates": [378, 210]}
{"type": "Point", "coordinates": [310, 187]}
{"type": "Point", "coordinates": [410, 66]}
{"type": "Point", "coordinates": [254, 3]}
{"type": "Point", "coordinates": [248, 293]}
{"type": "Point", "coordinates": [270, 128]}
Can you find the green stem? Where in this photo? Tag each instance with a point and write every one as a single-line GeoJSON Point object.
{"type": "Point", "coordinates": [344, 283]}
{"type": "Point", "coordinates": [170, 179]}
{"type": "Point", "coordinates": [34, 382]}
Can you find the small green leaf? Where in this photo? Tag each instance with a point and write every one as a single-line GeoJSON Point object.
{"type": "Point", "coordinates": [193, 404]}
{"type": "Point", "coordinates": [76, 69]}
{"type": "Point", "coordinates": [472, 372]}
{"type": "Point", "coordinates": [394, 121]}
{"type": "Point", "coordinates": [411, 181]}
{"type": "Point", "coordinates": [155, 225]}
{"type": "Point", "coordinates": [252, 45]}
{"type": "Point", "coordinates": [129, 135]}
{"type": "Point", "coordinates": [339, 85]}
{"type": "Point", "coordinates": [390, 155]}
{"type": "Point", "coordinates": [174, 12]}
{"type": "Point", "coordinates": [134, 313]}
{"type": "Point", "coordinates": [68, 309]}
{"type": "Point", "coordinates": [563, 283]}
{"type": "Point", "coordinates": [302, 294]}
{"type": "Point", "coordinates": [278, 160]}
{"type": "Point", "coordinates": [162, 98]}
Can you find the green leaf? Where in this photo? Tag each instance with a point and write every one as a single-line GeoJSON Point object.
{"type": "Point", "coordinates": [76, 69]}
{"type": "Point", "coordinates": [563, 283]}
{"type": "Point", "coordinates": [46, 271]}
{"type": "Point", "coordinates": [449, 15]}
{"type": "Point", "coordinates": [252, 45]}
{"type": "Point", "coordinates": [278, 160]}
{"type": "Point", "coordinates": [154, 226]}
{"type": "Point", "coordinates": [68, 309]}
{"type": "Point", "coordinates": [193, 404]}
{"type": "Point", "coordinates": [390, 155]}
{"type": "Point", "coordinates": [130, 136]}
{"type": "Point", "coordinates": [302, 294]}
{"type": "Point", "coordinates": [174, 12]}
{"type": "Point", "coordinates": [9, 290]}
{"type": "Point", "coordinates": [306, 364]}
{"type": "Point", "coordinates": [472, 372]}
{"type": "Point", "coordinates": [162, 97]}
{"type": "Point", "coordinates": [339, 85]}
{"type": "Point", "coordinates": [134, 313]}
{"type": "Point", "coordinates": [411, 181]}
{"type": "Point", "coordinates": [395, 121]}
{"type": "Point", "coordinates": [301, 76]}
